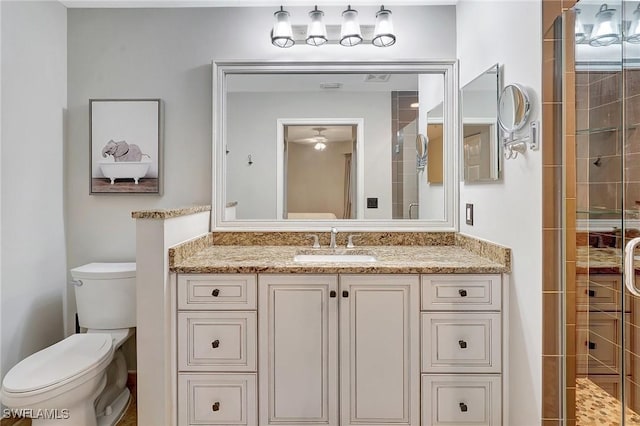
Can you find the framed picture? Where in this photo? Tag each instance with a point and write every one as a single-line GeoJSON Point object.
{"type": "Point", "coordinates": [125, 146]}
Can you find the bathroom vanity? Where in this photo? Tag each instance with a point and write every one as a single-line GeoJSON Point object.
{"type": "Point", "coordinates": [234, 331]}
{"type": "Point", "coordinates": [412, 338]}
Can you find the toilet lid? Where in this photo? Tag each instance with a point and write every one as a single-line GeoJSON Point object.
{"type": "Point", "coordinates": [105, 271]}
{"type": "Point", "coordinates": [71, 357]}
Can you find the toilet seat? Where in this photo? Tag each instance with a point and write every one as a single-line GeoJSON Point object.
{"type": "Point", "coordinates": [59, 364]}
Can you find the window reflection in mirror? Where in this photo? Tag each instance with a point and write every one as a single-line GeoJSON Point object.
{"type": "Point", "coordinates": [333, 146]}
{"type": "Point", "coordinates": [480, 147]}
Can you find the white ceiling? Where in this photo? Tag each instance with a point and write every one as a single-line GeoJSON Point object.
{"type": "Point", "coordinates": [240, 3]}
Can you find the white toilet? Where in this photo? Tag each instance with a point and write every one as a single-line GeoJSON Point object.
{"type": "Point", "coordinates": [81, 380]}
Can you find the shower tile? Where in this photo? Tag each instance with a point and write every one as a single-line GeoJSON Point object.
{"type": "Point", "coordinates": [605, 91]}
{"type": "Point", "coordinates": [551, 395]}
{"type": "Point", "coordinates": [551, 344]}
{"type": "Point", "coordinates": [605, 169]}
{"type": "Point", "coordinates": [603, 143]}
{"type": "Point", "coordinates": [605, 116]}
{"type": "Point", "coordinates": [551, 260]}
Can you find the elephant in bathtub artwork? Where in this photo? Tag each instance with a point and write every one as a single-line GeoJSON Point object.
{"type": "Point", "coordinates": [129, 161]}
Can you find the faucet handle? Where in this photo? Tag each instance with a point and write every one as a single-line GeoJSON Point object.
{"type": "Point", "coordinates": [316, 242]}
{"type": "Point", "coordinates": [350, 241]}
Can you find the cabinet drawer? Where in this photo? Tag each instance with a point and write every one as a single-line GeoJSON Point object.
{"type": "Point", "coordinates": [461, 342]}
{"type": "Point", "coordinates": [600, 293]}
{"type": "Point", "coordinates": [461, 400]}
{"type": "Point", "coordinates": [217, 399]}
{"type": "Point", "coordinates": [218, 292]}
{"type": "Point", "coordinates": [217, 341]}
{"type": "Point", "coordinates": [461, 293]}
{"type": "Point", "coordinates": [599, 341]}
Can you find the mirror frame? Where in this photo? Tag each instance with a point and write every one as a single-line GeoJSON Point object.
{"type": "Point", "coordinates": [449, 70]}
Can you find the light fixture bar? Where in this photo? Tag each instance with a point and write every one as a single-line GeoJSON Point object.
{"type": "Point", "coordinates": [333, 34]}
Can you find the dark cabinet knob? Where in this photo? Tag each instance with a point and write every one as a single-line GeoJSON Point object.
{"type": "Point", "coordinates": [462, 344]}
{"type": "Point", "coordinates": [215, 343]}
{"type": "Point", "coordinates": [591, 345]}
{"type": "Point", "coordinates": [463, 407]}
{"type": "Point", "coordinates": [332, 293]}
{"type": "Point", "coordinates": [592, 293]}
{"type": "Point", "coordinates": [462, 292]}
{"type": "Point", "coordinates": [215, 292]}
{"type": "Point", "coordinates": [345, 293]}
{"type": "Point", "coordinates": [215, 406]}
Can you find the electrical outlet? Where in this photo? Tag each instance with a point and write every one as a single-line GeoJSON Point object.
{"type": "Point", "coordinates": [469, 214]}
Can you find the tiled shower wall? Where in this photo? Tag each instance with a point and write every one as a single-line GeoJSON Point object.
{"type": "Point", "coordinates": [402, 164]}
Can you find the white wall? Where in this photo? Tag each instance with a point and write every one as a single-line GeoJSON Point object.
{"type": "Point", "coordinates": [252, 129]}
{"type": "Point", "coordinates": [167, 54]}
{"type": "Point", "coordinates": [509, 212]}
{"type": "Point", "coordinates": [34, 89]}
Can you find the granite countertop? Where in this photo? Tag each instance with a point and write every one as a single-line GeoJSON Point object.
{"type": "Point", "coordinates": [606, 260]}
{"type": "Point", "coordinates": [169, 213]}
{"type": "Point", "coordinates": [390, 260]}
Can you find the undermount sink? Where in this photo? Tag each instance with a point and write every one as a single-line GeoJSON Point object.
{"type": "Point", "coordinates": [335, 256]}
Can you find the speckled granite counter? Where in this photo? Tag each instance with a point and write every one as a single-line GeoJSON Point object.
{"type": "Point", "coordinates": [607, 260]}
{"type": "Point", "coordinates": [390, 259]}
{"type": "Point", "coordinates": [169, 213]}
{"type": "Point", "coordinates": [594, 406]}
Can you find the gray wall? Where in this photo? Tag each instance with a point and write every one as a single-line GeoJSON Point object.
{"type": "Point", "coordinates": [167, 54]}
{"type": "Point", "coordinates": [34, 90]}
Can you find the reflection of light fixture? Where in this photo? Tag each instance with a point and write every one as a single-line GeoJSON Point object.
{"type": "Point", "coordinates": [383, 35]}
{"type": "Point", "coordinates": [320, 146]}
{"type": "Point", "coordinates": [282, 34]}
{"type": "Point", "coordinates": [579, 28]}
{"type": "Point", "coordinates": [414, 105]}
{"type": "Point", "coordinates": [605, 31]}
{"type": "Point", "coordinates": [633, 35]}
{"type": "Point", "coordinates": [350, 34]}
{"type": "Point", "coordinates": [316, 31]}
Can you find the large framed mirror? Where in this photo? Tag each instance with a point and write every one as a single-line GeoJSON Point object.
{"type": "Point", "coordinates": [481, 155]}
{"type": "Point", "coordinates": [307, 145]}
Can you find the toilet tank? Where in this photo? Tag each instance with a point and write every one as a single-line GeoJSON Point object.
{"type": "Point", "coordinates": [105, 295]}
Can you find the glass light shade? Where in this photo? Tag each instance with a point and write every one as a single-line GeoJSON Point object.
{"type": "Point", "coordinates": [383, 35]}
{"type": "Point", "coordinates": [282, 34]}
{"type": "Point", "coordinates": [350, 34]}
{"type": "Point", "coordinates": [579, 29]}
{"type": "Point", "coordinates": [320, 146]}
{"type": "Point", "coordinates": [316, 31]}
{"type": "Point", "coordinates": [633, 35]}
{"type": "Point", "coordinates": [606, 30]}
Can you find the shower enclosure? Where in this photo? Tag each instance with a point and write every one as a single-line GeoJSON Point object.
{"type": "Point", "coordinates": [597, 89]}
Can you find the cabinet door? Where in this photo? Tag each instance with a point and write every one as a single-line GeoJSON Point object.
{"type": "Point", "coordinates": [379, 350]}
{"type": "Point", "coordinates": [298, 349]}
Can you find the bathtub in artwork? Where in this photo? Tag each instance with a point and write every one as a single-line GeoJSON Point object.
{"type": "Point", "coordinates": [125, 170]}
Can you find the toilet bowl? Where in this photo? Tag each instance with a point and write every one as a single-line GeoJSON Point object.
{"type": "Point", "coordinates": [81, 380]}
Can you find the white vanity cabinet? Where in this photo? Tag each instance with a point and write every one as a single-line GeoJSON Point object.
{"type": "Point", "coordinates": [339, 349]}
{"type": "Point", "coordinates": [373, 319]}
{"type": "Point", "coordinates": [217, 350]}
{"type": "Point", "coordinates": [462, 350]}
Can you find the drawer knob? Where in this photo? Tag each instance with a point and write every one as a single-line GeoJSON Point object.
{"type": "Point", "coordinates": [345, 293]}
{"type": "Point", "coordinates": [215, 292]}
{"type": "Point", "coordinates": [463, 407]}
{"type": "Point", "coordinates": [215, 406]}
{"type": "Point", "coordinates": [462, 344]}
{"type": "Point", "coordinates": [592, 293]}
{"type": "Point", "coordinates": [332, 293]}
{"type": "Point", "coordinates": [591, 345]}
{"type": "Point", "coordinates": [462, 292]}
{"type": "Point", "coordinates": [215, 343]}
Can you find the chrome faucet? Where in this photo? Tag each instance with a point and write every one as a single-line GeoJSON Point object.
{"type": "Point", "coordinates": [334, 232]}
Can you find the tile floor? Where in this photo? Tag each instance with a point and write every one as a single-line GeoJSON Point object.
{"type": "Point", "coordinates": [596, 407]}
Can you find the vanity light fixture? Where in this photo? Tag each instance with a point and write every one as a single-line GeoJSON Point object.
{"type": "Point", "coordinates": [633, 35]}
{"type": "Point", "coordinates": [383, 35]}
{"type": "Point", "coordinates": [579, 28]}
{"type": "Point", "coordinates": [606, 30]}
{"type": "Point", "coordinates": [349, 33]}
{"type": "Point", "coordinates": [282, 34]}
{"type": "Point", "coordinates": [316, 31]}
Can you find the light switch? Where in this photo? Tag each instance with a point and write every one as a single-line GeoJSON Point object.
{"type": "Point", "coordinates": [469, 214]}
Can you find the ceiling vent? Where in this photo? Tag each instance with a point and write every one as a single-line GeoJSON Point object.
{"type": "Point", "coordinates": [376, 78]}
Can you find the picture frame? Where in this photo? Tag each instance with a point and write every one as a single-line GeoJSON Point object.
{"type": "Point", "coordinates": [125, 146]}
